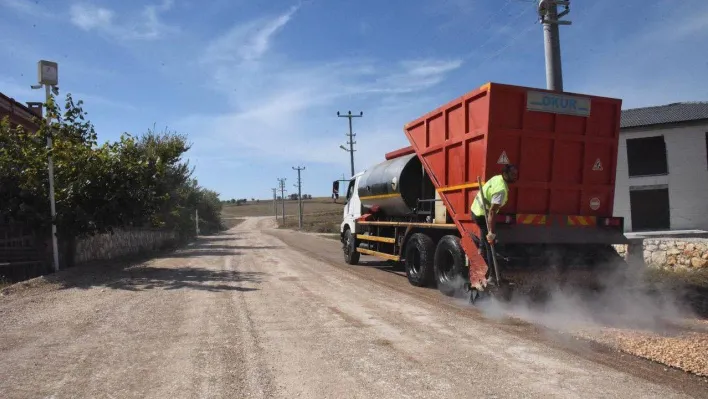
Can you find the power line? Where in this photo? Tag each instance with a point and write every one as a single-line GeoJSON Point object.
{"type": "Point", "coordinates": [299, 196]}
{"type": "Point", "coordinates": [491, 37]}
{"type": "Point", "coordinates": [490, 20]}
{"type": "Point", "coordinates": [351, 135]}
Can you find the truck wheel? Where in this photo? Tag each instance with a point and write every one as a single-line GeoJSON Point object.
{"type": "Point", "coordinates": [351, 256]}
{"type": "Point", "coordinates": [450, 265]}
{"type": "Point", "coordinates": [419, 260]}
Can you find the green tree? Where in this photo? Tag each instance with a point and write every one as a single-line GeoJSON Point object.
{"type": "Point", "coordinates": [133, 182]}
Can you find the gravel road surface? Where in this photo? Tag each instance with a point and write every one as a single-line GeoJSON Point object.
{"type": "Point", "coordinates": [259, 314]}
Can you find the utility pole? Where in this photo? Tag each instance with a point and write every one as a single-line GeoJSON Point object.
{"type": "Point", "coordinates": [196, 220]}
{"type": "Point", "coordinates": [550, 18]}
{"type": "Point", "coordinates": [282, 195]}
{"type": "Point", "coordinates": [48, 76]}
{"type": "Point", "coordinates": [351, 135]}
{"type": "Point", "coordinates": [275, 203]}
{"type": "Point", "coordinates": [299, 196]}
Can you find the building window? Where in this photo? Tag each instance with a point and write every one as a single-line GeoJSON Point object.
{"type": "Point", "coordinates": [647, 156]}
{"type": "Point", "coordinates": [650, 208]}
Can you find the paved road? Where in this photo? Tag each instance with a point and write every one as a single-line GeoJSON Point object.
{"type": "Point", "coordinates": [247, 315]}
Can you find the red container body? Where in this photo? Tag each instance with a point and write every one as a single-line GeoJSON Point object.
{"type": "Point", "coordinates": [567, 159]}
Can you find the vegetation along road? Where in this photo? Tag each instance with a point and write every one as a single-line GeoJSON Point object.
{"type": "Point", "coordinates": [261, 312]}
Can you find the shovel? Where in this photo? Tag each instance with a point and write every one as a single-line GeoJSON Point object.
{"type": "Point", "coordinates": [486, 218]}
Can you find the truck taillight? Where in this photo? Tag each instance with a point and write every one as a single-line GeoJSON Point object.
{"type": "Point", "coordinates": [612, 222]}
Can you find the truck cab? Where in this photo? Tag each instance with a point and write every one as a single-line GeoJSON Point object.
{"type": "Point", "coordinates": [351, 212]}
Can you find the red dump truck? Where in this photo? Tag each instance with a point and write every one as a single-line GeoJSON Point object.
{"type": "Point", "coordinates": [414, 207]}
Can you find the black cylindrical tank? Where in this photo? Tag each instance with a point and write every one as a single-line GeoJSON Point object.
{"type": "Point", "coordinates": [394, 185]}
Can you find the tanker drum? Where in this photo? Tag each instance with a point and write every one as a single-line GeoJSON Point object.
{"type": "Point", "coordinates": [394, 185]}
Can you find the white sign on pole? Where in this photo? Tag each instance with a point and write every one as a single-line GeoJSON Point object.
{"type": "Point", "coordinates": [48, 73]}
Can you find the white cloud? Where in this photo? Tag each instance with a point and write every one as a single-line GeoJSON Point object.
{"type": "Point", "coordinates": [286, 110]}
{"type": "Point", "coordinates": [88, 17]}
{"type": "Point", "coordinates": [290, 115]}
{"type": "Point", "coordinates": [146, 25]}
{"type": "Point", "coordinates": [247, 42]}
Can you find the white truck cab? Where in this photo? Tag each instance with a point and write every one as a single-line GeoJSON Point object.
{"type": "Point", "coordinates": [352, 211]}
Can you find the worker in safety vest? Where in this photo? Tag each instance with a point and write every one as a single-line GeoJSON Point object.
{"type": "Point", "coordinates": [495, 192]}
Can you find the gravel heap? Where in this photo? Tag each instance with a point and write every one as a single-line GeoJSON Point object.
{"type": "Point", "coordinates": [686, 350]}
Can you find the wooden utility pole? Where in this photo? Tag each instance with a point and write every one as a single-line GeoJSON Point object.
{"type": "Point", "coordinates": [299, 196]}
{"type": "Point", "coordinates": [282, 195]}
{"type": "Point", "coordinates": [351, 135]}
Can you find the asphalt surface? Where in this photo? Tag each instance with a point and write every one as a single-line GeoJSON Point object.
{"type": "Point", "coordinates": [260, 313]}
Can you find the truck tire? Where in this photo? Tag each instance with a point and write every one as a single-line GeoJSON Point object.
{"type": "Point", "coordinates": [450, 270]}
{"type": "Point", "coordinates": [420, 250]}
{"type": "Point", "coordinates": [351, 256]}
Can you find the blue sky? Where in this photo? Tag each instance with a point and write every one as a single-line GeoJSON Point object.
{"type": "Point", "coordinates": [256, 84]}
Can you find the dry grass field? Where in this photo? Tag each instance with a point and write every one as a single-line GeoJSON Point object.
{"type": "Point", "coordinates": [265, 208]}
{"type": "Point", "coordinates": [320, 215]}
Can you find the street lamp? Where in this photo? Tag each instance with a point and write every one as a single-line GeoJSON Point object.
{"type": "Point", "coordinates": [48, 76]}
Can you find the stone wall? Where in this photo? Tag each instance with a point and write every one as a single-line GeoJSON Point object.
{"type": "Point", "coordinates": [688, 253]}
{"type": "Point", "coordinates": [121, 243]}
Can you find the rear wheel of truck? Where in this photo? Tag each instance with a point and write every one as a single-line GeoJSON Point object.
{"type": "Point", "coordinates": [351, 256]}
{"type": "Point", "coordinates": [420, 250]}
{"type": "Point", "coordinates": [450, 265]}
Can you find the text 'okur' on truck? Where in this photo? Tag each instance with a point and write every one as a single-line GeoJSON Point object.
{"type": "Point", "coordinates": [415, 206]}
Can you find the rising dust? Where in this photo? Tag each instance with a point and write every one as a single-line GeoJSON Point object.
{"type": "Point", "coordinates": [623, 310]}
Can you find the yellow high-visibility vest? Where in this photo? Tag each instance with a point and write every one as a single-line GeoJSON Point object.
{"type": "Point", "coordinates": [495, 185]}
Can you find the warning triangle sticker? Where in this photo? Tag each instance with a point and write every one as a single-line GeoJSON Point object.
{"type": "Point", "coordinates": [503, 159]}
{"type": "Point", "coordinates": [598, 165]}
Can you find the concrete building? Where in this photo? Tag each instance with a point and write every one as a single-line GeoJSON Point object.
{"type": "Point", "coordinates": [662, 168]}
{"type": "Point", "coordinates": [20, 114]}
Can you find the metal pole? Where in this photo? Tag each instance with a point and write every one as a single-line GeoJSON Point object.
{"type": "Point", "coordinates": [551, 39]}
{"type": "Point", "coordinates": [299, 196]}
{"type": "Point", "coordinates": [52, 203]}
{"type": "Point", "coordinates": [351, 144]}
{"type": "Point", "coordinates": [548, 11]}
{"type": "Point", "coordinates": [282, 195]}
{"type": "Point", "coordinates": [351, 136]}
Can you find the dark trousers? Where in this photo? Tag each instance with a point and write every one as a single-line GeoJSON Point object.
{"type": "Point", "coordinates": [484, 244]}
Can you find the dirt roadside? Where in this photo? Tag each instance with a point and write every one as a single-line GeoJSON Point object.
{"type": "Point", "coordinates": [681, 344]}
{"type": "Point", "coordinates": [245, 315]}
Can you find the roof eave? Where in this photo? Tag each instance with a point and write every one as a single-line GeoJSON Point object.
{"type": "Point", "coordinates": [667, 124]}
